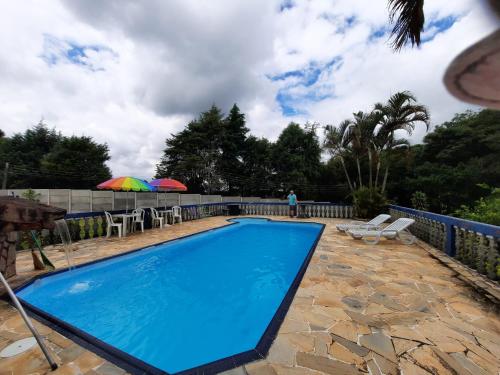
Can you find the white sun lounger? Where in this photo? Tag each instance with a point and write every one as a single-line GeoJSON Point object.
{"type": "Point", "coordinates": [372, 224]}
{"type": "Point", "coordinates": [396, 230]}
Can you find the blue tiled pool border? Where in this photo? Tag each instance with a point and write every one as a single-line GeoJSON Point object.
{"type": "Point", "coordinates": [136, 366]}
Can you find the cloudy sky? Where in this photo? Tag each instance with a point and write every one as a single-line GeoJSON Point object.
{"type": "Point", "coordinates": [130, 73]}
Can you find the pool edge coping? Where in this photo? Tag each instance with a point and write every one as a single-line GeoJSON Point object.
{"type": "Point", "coordinates": [137, 366]}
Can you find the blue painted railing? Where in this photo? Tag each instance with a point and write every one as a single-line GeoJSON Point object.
{"type": "Point", "coordinates": [474, 244]}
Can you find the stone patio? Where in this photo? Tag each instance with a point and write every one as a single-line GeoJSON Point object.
{"type": "Point", "coordinates": [384, 309]}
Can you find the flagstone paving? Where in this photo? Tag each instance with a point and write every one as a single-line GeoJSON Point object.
{"type": "Point", "coordinates": [383, 309]}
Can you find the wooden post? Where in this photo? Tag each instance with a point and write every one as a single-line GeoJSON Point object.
{"type": "Point", "coordinates": [5, 174]}
{"type": "Point", "coordinates": [8, 254]}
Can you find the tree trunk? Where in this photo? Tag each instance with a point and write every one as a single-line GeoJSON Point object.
{"type": "Point", "coordinates": [370, 184]}
{"type": "Point", "coordinates": [359, 173]}
{"type": "Point", "coordinates": [377, 172]}
{"type": "Point", "coordinates": [347, 175]}
{"type": "Point", "coordinates": [385, 178]}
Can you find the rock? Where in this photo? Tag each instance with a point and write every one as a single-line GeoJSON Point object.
{"type": "Point", "coordinates": [490, 367]}
{"type": "Point", "coordinates": [322, 342]}
{"type": "Point", "coordinates": [302, 342]}
{"type": "Point", "coordinates": [290, 325]}
{"type": "Point", "coordinates": [409, 368]}
{"type": "Point", "coordinates": [326, 365]}
{"type": "Point", "coordinates": [259, 368]}
{"type": "Point", "coordinates": [335, 313]}
{"type": "Point", "coordinates": [450, 346]}
{"type": "Point", "coordinates": [341, 353]}
{"type": "Point", "coordinates": [71, 353]}
{"type": "Point", "coordinates": [241, 371]}
{"type": "Point", "coordinates": [401, 345]}
{"type": "Point", "coordinates": [425, 359]}
{"type": "Point", "coordinates": [451, 362]}
{"type": "Point", "coordinates": [380, 344]}
{"type": "Point", "coordinates": [492, 347]}
{"type": "Point", "coordinates": [339, 266]}
{"type": "Point", "coordinates": [348, 330]}
{"type": "Point", "coordinates": [282, 352]}
{"type": "Point", "coordinates": [373, 367]}
{"type": "Point", "coordinates": [353, 303]}
{"type": "Point", "coordinates": [320, 321]}
{"type": "Point", "coordinates": [109, 369]}
{"type": "Point", "coordinates": [466, 309]}
{"type": "Point", "coordinates": [468, 364]}
{"type": "Point", "coordinates": [387, 367]}
{"type": "Point", "coordinates": [369, 320]}
{"type": "Point", "coordinates": [408, 334]}
{"type": "Point", "coordinates": [283, 370]}
{"type": "Point", "coordinates": [382, 299]}
{"type": "Point", "coordinates": [352, 346]}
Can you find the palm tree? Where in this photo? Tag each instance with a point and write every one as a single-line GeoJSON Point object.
{"type": "Point", "coordinates": [334, 143]}
{"type": "Point", "coordinates": [359, 134]}
{"type": "Point", "coordinates": [402, 112]}
{"type": "Point", "coordinates": [409, 19]}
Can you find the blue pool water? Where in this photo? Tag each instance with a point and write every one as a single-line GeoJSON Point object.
{"type": "Point", "coordinates": [184, 303]}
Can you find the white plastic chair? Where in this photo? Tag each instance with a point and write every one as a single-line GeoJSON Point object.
{"type": "Point", "coordinates": [156, 218]}
{"type": "Point", "coordinates": [138, 218]}
{"type": "Point", "coordinates": [372, 224]}
{"type": "Point", "coordinates": [396, 230]}
{"type": "Point", "coordinates": [176, 214]}
{"type": "Point", "coordinates": [111, 225]}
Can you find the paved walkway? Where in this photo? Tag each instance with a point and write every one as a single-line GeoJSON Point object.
{"type": "Point", "coordinates": [385, 309]}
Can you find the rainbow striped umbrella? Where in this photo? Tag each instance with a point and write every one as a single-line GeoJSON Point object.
{"type": "Point", "coordinates": [126, 184]}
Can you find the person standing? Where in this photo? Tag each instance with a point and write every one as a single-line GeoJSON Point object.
{"type": "Point", "coordinates": [292, 204]}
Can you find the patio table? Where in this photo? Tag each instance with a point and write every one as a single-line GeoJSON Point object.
{"type": "Point", "coordinates": [124, 218]}
{"type": "Point", "coordinates": [166, 214]}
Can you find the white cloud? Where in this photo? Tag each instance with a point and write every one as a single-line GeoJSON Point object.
{"type": "Point", "coordinates": [139, 71]}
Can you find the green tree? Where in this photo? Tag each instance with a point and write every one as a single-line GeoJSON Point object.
{"type": "Point", "coordinates": [337, 146]}
{"type": "Point", "coordinates": [257, 167]}
{"type": "Point", "coordinates": [2, 134]}
{"type": "Point", "coordinates": [77, 163]}
{"type": "Point", "coordinates": [408, 18]}
{"type": "Point", "coordinates": [400, 113]}
{"type": "Point", "coordinates": [43, 158]}
{"type": "Point", "coordinates": [455, 159]}
{"type": "Point", "coordinates": [485, 210]}
{"type": "Point", "coordinates": [296, 158]}
{"type": "Point", "coordinates": [24, 152]}
{"type": "Point", "coordinates": [359, 134]}
{"type": "Point", "coordinates": [233, 137]}
{"type": "Point", "coordinates": [193, 155]}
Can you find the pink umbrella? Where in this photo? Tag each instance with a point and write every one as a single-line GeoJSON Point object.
{"type": "Point", "coordinates": [168, 184]}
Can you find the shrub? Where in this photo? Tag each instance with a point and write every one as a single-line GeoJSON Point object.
{"type": "Point", "coordinates": [369, 202]}
{"type": "Point", "coordinates": [31, 194]}
{"type": "Point", "coordinates": [419, 201]}
{"type": "Point", "coordinates": [484, 210]}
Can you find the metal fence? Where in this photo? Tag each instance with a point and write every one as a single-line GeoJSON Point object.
{"type": "Point", "coordinates": [76, 201]}
{"type": "Point", "coordinates": [472, 243]}
{"type": "Point", "coordinates": [87, 225]}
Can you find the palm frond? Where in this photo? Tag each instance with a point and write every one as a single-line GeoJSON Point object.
{"type": "Point", "coordinates": [408, 17]}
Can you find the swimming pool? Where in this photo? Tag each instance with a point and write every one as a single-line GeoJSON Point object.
{"type": "Point", "coordinates": [207, 302]}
